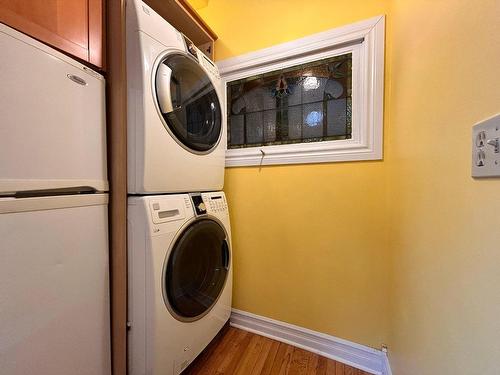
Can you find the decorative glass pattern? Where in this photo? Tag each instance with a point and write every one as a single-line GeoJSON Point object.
{"type": "Point", "coordinates": [304, 103]}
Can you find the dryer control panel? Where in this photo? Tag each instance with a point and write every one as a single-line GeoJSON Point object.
{"type": "Point", "coordinates": [208, 64]}
{"type": "Point", "coordinates": [201, 57]}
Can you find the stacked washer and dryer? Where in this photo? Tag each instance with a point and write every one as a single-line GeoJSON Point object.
{"type": "Point", "coordinates": [179, 248]}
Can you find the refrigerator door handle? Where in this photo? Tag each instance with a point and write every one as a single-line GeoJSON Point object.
{"type": "Point", "coordinates": [77, 79]}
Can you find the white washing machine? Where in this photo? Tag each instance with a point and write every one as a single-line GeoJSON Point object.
{"type": "Point", "coordinates": [180, 278]}
{"type": "Point", "coordinates": [176, 131]}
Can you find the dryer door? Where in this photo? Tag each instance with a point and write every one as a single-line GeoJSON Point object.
{"type": "Point", "coordinates": [188, 103]}
{"type": "Point", "coordinates": [196, 270]}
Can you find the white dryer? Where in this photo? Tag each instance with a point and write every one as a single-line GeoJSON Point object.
{"type": "Point", "coordinates": [176, 131]}
{"type": "Point", "coordinates": [180, 278]}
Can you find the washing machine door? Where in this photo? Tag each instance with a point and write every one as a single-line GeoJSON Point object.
{"type": "Point", "coordinates": [196, 270]}
{"type": "Point", "coordinates": [188, 103]}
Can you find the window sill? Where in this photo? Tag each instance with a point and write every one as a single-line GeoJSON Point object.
{"type": "Point", "coordinates": [301, 153]}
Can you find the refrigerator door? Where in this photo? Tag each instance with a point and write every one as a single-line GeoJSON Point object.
{"type": "Point", "coordinates": [54, 286]}
{"type": "Point", "coordinates": [52, 118]}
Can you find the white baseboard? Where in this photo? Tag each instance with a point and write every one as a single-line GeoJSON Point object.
{"type": "Point", "coordinates": [362, 357]}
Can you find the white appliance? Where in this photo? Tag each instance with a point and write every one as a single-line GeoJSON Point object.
{"type": "Point", "coordinates": [54, 283]}
{"type": "Point", "coordinates": [176, 132]}
{"type": "Point", "coordinates": [180, 278]}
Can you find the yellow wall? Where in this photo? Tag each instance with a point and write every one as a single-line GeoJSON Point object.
{"type": "Point", "coordinates": [445, 225]}
{"type": "Point", "coordinates": [309, 240]}
{"type": "Point", "coordinates": [406, 250]}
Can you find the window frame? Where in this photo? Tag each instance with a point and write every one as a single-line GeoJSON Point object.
{"type": "Point", "coordinates": [365, 40]}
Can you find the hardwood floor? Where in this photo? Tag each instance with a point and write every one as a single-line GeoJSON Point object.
{"type": "Point", "coordinates": [235, 351]}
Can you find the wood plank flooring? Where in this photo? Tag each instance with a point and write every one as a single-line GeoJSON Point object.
{"type": "Point", "coordinates": [239, 352]}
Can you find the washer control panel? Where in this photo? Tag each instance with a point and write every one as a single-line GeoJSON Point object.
{"type": "Point", "coordinates": [199, 205]}
{"type": "Point", "coordinates": [215, 203]}
{"type": "Point", "coordinates": [165, 209]}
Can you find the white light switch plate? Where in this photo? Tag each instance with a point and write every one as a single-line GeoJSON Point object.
{"type": "Point", "coordinates": [486, 148]}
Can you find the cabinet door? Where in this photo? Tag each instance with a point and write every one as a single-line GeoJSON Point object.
{"type": "Point", "coordinates": [73, 26]}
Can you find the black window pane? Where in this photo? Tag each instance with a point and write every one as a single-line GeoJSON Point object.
{"type": "Point", "coordinates": [337, 117]}
{"type": "Point", "coordinates": [305, 103]}
{"type": "Point", "coordinates": [269, 125]}
{"type": "Point", "coordinates": [254, 131]}
{"type": "Point", "coordinates": [196, 269]}
{"type": "Point", "coordinates": [295, 122]}
{"type": "Point", "coordinates": [236, 130]}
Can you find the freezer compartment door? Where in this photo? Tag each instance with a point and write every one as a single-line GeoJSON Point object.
{"type": "Point", "coordinates": [54, 286]}
{"type": "Point", "coordinates": [52, 118]}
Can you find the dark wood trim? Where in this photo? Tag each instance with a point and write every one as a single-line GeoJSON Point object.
{"type": "Point", "coordinates": [117, 165]}
{"type": "Point", "coordinates": [96, 33]}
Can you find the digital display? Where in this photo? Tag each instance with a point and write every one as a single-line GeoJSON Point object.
{"type": "Point", "coordinates": [218, 197]}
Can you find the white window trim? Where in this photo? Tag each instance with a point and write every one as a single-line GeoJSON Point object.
{"type": "Point", "coordinates": [365, 40]}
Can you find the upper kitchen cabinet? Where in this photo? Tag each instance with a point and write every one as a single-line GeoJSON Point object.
{"type": "Point", "coordinates": [72, 26]}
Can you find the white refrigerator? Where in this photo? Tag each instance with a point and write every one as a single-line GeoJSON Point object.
{"type": "Point", "coordinates": [54, 269]}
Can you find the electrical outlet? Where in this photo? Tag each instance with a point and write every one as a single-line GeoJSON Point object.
{"type": "Point", "coordinates": [486, 148]}
{"type": "Point", "coordinates": [480, 138]}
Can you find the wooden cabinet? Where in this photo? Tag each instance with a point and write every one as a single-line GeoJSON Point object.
{"type": "Point", "coordinates": [72, 26]}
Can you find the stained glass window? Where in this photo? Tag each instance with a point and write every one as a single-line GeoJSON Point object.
{"type": "Point", "coordinates": [304, 103]}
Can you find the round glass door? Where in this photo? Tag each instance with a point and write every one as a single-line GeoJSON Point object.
{"type": "Point", "coordinates": [196, 270]}
{"type": "Point", "coordinates": [188, 103]}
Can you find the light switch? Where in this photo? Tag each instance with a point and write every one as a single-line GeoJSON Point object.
{"type": "Point", "coordinates": [486, 148]}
